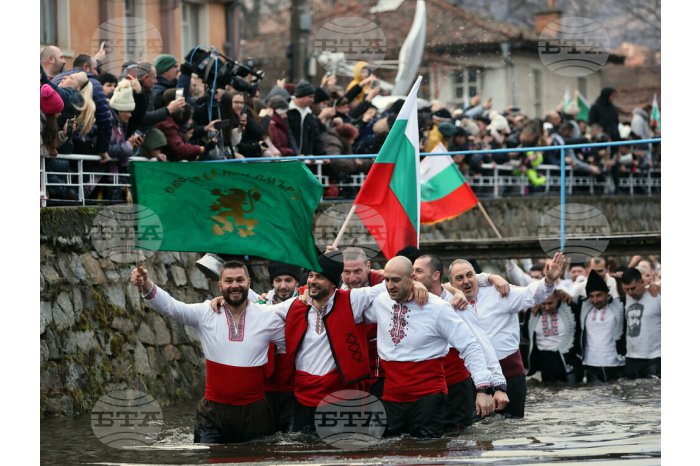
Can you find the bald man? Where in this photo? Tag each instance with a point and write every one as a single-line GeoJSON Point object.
{"type": "Point", "coordinates": [52, 60]}
{"type": "Point", "coordinates": [411, 342]}
{"type": "Point", "coordinates": [498, 317]}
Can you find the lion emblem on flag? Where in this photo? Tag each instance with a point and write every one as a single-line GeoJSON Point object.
{"type": "Point", "coordinates": [234, 204]}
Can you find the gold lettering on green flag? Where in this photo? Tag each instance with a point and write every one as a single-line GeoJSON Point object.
{"type": "Point", "coordinates": [258, 209]}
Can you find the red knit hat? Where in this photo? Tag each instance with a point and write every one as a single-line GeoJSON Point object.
{"type": "Point", "coordinates": [51, 102]}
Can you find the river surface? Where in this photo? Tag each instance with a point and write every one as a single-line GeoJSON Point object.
{"type": "Point", "coordinates": [618, 423]}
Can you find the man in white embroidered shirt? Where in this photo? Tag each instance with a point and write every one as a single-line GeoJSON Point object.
{"type": "Point", "coordinates": [412, 341]}
{"type": "Point", "coordinates": [499, 318]}
{"type": "Point", "coordinates": [235, 344]}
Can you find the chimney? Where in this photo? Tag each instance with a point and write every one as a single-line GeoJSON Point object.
{"type": "Point", "coordinates": [544, 17]}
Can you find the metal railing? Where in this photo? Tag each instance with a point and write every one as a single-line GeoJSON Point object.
{"type": "Point", "coordinates": [499, 182]}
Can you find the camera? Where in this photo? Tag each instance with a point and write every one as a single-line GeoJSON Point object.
{"type": "Point", "coordinates": [218, 70]}
{"type": "Point", "coordinates": [223, 124]}
{"type": "Point", "coordinates": [69, 126]}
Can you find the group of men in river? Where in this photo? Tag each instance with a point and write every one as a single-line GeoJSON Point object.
{"type": "Point", "coordinates": [438, 355]}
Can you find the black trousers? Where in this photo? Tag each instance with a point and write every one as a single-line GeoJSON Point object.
{"type": "Point", "coordinates": [459, 406]}
{"type": "Point", "coordinates": [220, 423]}
{"type": "Point", "coordinates": [642, 368]}
{"type": "Point", "coordinates": [420, 418]}
{"type": "Point", "coordinates": [603, 374]}
{"type": "Point", "coordinates": [517, 392]}
{"type": "Point", "coordinates": [303, 418]}
{"type": "Point", "coordinates": [282, 404]}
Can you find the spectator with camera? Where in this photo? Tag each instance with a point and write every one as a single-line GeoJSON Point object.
{"type": "Point", "coordinates": [145, 116]}
{"type": "Point", "coordinates": [245, 133]}
{"type": "Point", "coordinates": [98, 142]}
{"type": "Point", "coordinates": [277, 126]}
{"type": "Point", "coordinates": [167, 78]}
{"type": "Point", "coordinates": [177, 149]}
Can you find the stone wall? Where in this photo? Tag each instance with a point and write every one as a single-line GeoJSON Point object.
{"type": "Point", "coordinates": [97, 335]}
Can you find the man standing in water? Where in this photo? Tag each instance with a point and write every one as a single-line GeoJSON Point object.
{"type": "Point", "coordinates": [235, 343]}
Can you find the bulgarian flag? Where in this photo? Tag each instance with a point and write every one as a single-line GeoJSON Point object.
{"type": "Point", "coordinates": [655, 115]}
{"type": "Point", "coordinates": [388, 202]}
{"type": "Point", "coordinates": [444, 193]}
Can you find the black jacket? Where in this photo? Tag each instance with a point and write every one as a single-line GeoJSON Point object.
{"type": "Point", "coordinates": [308, 137]}
{"type": "Point", "coordinates": [605, 114]}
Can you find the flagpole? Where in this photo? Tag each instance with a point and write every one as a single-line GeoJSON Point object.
{"type": "Point", "coordinates": [345, 225]}
{"type": "Point", "coordinates": [488, 219]}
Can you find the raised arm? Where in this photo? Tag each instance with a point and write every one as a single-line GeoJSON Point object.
{"type": "Point", "coordinates": [160, 301]}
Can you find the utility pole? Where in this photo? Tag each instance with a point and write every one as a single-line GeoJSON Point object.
{"type": "Point", "coordinates": [301, 31]}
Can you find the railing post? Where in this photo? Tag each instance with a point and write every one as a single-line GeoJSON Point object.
{"type": "Point", "coordinates": [43, 179]}
{"type": "Point", "coordinates": [81, 189]}
{"type": "Point", "coordinates": [562, 190]}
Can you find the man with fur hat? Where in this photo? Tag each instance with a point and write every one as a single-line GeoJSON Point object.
{"type": "Point", "coordinates": [304, 126]}
{"type": "Point", "coordinates": [602, 323]}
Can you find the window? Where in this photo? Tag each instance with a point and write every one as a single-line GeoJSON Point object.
{"type": "Point", "coordinates": [582, 88]}
{"type": "Point", "coordinates": [537, 92]}
{"type": "Point", "coordinates": [458, 79]}
{"type": "Point", "coordinates": [49, 29]}
{"type": "Point", "coordinates": [473, 81]}
{"type": "Point", "coordinates": [193, 22]}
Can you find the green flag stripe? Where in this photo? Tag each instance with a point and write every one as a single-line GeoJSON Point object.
{"type": "Point", "coordinates": [403, 182]}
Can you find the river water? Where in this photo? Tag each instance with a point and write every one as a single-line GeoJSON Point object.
{"type": "Point", "coordinates": [618, 423]}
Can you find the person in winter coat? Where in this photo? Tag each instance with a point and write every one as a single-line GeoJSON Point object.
{"type": "Point", "coordinates": [51, 106]}
{"type": "Point", "coordinates": [303, 124]}
{"type": "Point", "coordinates": [177, 149]}
{"type": "Point", "coordinates": [167, 78]}
{"type": "Point", "coordinates": [145, 116]}
{"type": "Point", "coordinates": [246, 132]}
{"type": "Point", "coordinates": [604, 113]}
{"type": "Point", "coordinates": [277, 126]}
{"type": "Point", "coordinates": [122, 104]}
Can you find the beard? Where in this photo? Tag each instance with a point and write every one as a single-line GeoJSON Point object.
{"type": "Point", "coordinates": [283, 295]}
{"type": "Point", "coordinates": [236, 302]}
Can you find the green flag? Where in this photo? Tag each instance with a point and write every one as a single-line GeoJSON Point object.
{"type": "Point", "coordinates": [258, 209]}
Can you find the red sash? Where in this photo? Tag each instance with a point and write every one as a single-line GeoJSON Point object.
{"type": "Point", "coordinates": [407, 381]}
{"type": "Point", "coordinates": [233, 385]}
{"type": "Point", "coordinates": [279, 372]}
{"type": "Point", "coordinates": [311, 389]}
{"type": "Point", "coordinates": [453, 365]}
{"type": "Point", "coordinates": [512, 366]}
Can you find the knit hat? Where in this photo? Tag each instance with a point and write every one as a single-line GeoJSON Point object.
{"type": "Point", "coordinates": [50, 102]}
{"type": "Point", "coordinates": [277, 102]}
{"type": "Point", "coordinates": [123, 98]}
{"type": "Point", "coordinates": [595, 283]}
{"type": "Point", "coordinates": [332, 266]}
{"type": "Point", "coordinates": [276, 269]}
{"type": "Point", "coordinates": [155, 139]}
{"type": "Point", "coordinates": [442, 114]}
{"type": "Point", "coordinates": [303, 89]}
{"type": "Point", "coordinates": [164, 62]}
{"type": "Point", "coordinates": [320, 95]}
{"type": "Point", "coordinates": [447, 129]}
{"type": "Point", "coordinates": [278, 91]}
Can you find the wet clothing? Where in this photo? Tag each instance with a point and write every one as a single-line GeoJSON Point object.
{"type": "Point", "coordinates": [460, 404]}
{"type": "Point", "coordinates": [602, 340]}
{"type": "Point", "coordinates": [234, 408]}
{"type": "Point", "coordinates": [642, 368]}
{"type": "Point", "coordinates": [421, 418]}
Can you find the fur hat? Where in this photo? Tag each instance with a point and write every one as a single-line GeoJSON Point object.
{"type": "Point", "coordinates": [51, 103]}
{"type": "Point", "coordinates": [303, 89]}
{"type": "Point", "coordinates": [164, 62]}
{"type": "Point", "coordinates": [276, 269]}
{"type": "Point", "coordinates": [499, 123]}
{"type": "Point", "coordinates": [347, 131]}
{"type": "Point", "coordinates": [123, 98]}
{"type": "Point", "coordinates": [332, 266]}
{"type": "Point", "coordinates": [595, 283]}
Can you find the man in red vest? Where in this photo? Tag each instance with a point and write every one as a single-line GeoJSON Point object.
{"type": "Point", "coordinates": [358, 273]}
{"type": "Point", "coordinates": [235, 342]}
{"type": "Point", "coordinates": [330, 351]}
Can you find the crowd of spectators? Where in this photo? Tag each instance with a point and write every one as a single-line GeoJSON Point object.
{"type": "Point", "coordinates": [164, 111]}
